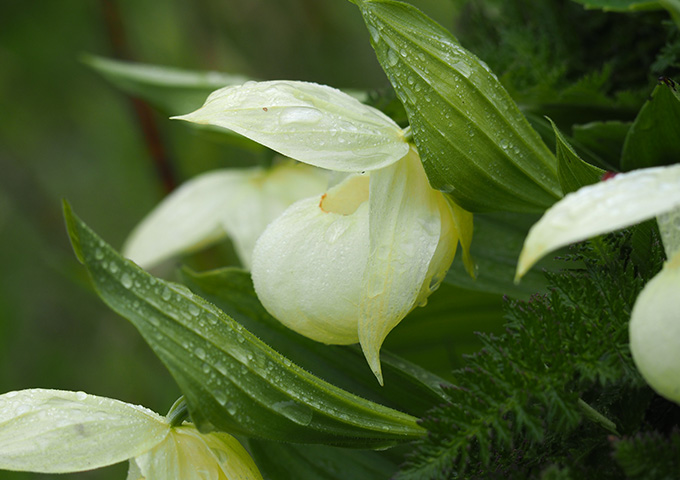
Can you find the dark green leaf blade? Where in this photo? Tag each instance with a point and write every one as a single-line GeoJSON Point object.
{"type": "Point", "coordinates": [172, 90]}
{"type": "Point", "coordinates": [604, 139]}
{"type": "Point", "coordinates": [654, 137]}
{"type": "Point", "coordinates": [496, 244]}
{"type": "Point", "coordinates": [230, 379]}
{"type": "Point", "coordinates": [621, 5]}
{"type": "Point", "coordinates": [474, 141]}
{"type": "Point", "coordinates": [573, 172]}
{"type": "Point", "coordinates": [278, 461]}
{"type": "Point", "coordinates": [407, 387]}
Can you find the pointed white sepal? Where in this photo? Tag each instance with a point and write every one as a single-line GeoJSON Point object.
{"type": "Point", "coordinates": [187, 454]}
{"type": "Point", "coordinates": [312, 123]}
{"type": "Point", "coordinates": [235, 203]}
{"type": "Point", "coordinates": [405, 229]}
{"type": "Point", "coordinates": [620, 202]}
{"type": "Point", "coordinates": [53, 431]}
{"type": "Point", "coordinates": [655, 331]}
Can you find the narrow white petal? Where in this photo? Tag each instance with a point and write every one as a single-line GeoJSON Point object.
{"type": "Point", "coordinates": [312, 123]}
{"type": "Point", "coordinates": [308, 263]}
{"type": "Point", "coordinates": [655, 331]}
{"type": "Point", "coordinates": [187, 454]}
{"type": "Point", "coordinates": [624, 200]}
{"type": "Point", "coordinates": [235, 203]}
{"type": "Point", "coordinates": [405, 228]}
{"type": "Point", "coordinates": [189, 218]}
{"type": "Point", "coordinates": [52, 431]}
{"type": "Point", "coordinates": [266, 197]}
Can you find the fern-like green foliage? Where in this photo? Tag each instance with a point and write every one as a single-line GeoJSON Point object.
{"type": "Point", "coordinates": [594, 64]}
{"type": "Point", "coordinates": [649, 456]}
{"type": "Point", "coordinates": [543, 399]}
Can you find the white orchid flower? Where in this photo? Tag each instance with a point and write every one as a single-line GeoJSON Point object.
{"type": "Point", "coordinates": [238, 203]}
{"type": "Point", "coordinates": [53, 431]}
{"type": "Point", "coordinates": [620, 202]}
{"type": "Point", "coordinates": [348, 265]}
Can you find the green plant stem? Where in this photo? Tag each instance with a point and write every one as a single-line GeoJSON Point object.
{"type": "Point", "coordinates": [597, 417]}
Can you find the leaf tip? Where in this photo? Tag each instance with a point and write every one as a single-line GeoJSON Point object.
{"type": "Point", "coordinates": [72, 229]}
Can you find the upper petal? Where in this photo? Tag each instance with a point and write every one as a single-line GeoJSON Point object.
{"type": "Point", "coordinates": [53, 431]}
{"type": "Point", "coordinates": [405, 228]}
{"type": "Point", "coordinates": [624, 200]}
{"type": "Point", "coordinates": [312, 123]}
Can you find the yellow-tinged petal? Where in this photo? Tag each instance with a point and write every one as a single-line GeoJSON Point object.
{"type": "Point", "coordinates": [53, 431]}
{"type": "Point", "coordinates": [312, 123]}
{"type": "Point", "coordinates": [405, 230]}
{"type": "Point", "coordinates": [462, 219]}
{"type": "Point", "coordinates": [624, 200]}
{"type": "Point", "coordinates": [308, 263]}
{"type": "Point", "coordinates": [235, 203]}
{"type": "Point", "coordinates": [187, 454]}
{"type": "Point", "coordinates": [655, 331]}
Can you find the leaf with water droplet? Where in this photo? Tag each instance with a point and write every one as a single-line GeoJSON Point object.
{"type": "Point", "coordinates": [461, 115]}
{"type": "Point", "coordinates": [240, 369]}
{"type": "Point", "coordinates": [573, 172]}
{"type": "Point", "coordinates": [654, 137]}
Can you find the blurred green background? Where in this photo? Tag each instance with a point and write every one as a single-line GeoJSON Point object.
{"type": "Point", "coordinates": [65, 133]}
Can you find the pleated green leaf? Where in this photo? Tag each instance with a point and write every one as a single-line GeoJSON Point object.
{"type": "Point", "coordinates": [231, 380]}
{"type": "Point", "coordinates": [474, 142]}
{"type": "Point", "coordinates": [496, 245]}
{"type": "Point", "coordinates": [279, 461]}
{"type": "Point", "coordinates": [172, 90]}
{"type": "Point", "coordinates": [654, 137]}
{"type": "Point", "coordinates": [573, 172]}
{"type": "Point", "coordinates": [407, 387]}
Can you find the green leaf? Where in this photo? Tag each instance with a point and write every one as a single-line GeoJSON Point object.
{"type": "Point", "coordinates": [440, 334]}
{"type": "Point", "coordinates": [649, 455]}
{"type": "Point", "coordinates": [654, 137]}
{"type": "Point", "coordinates": [496, 244]}
{"type": "Point", "coordinates": [407, 386]}
{"type": "Point", "coordinates": [603, 139]}
{"type": "Point", "coordinates": [474, 141]}
{"type": "Point", "coordinates": [279, 461]}
{"type": "Point", "coordinates": [172, 90]}
{"type": "Point", "coordinates": [231, 380]}
{"type": "Point", "coordinates": [621, 5]}
{"type": "Point", "coordinates": [573, 172]}
{"type": "Point", "coordinates": [524, 391]}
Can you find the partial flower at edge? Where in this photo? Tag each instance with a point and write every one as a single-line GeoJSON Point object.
{"type": "Point", "coordinates": [655, 331]}
{"type": "Point", "coordinates": [627, 199]}
{"type": "Point", "coordinates": [54, 431]}
{"type": "Point", "coordinates": [619, 202]}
